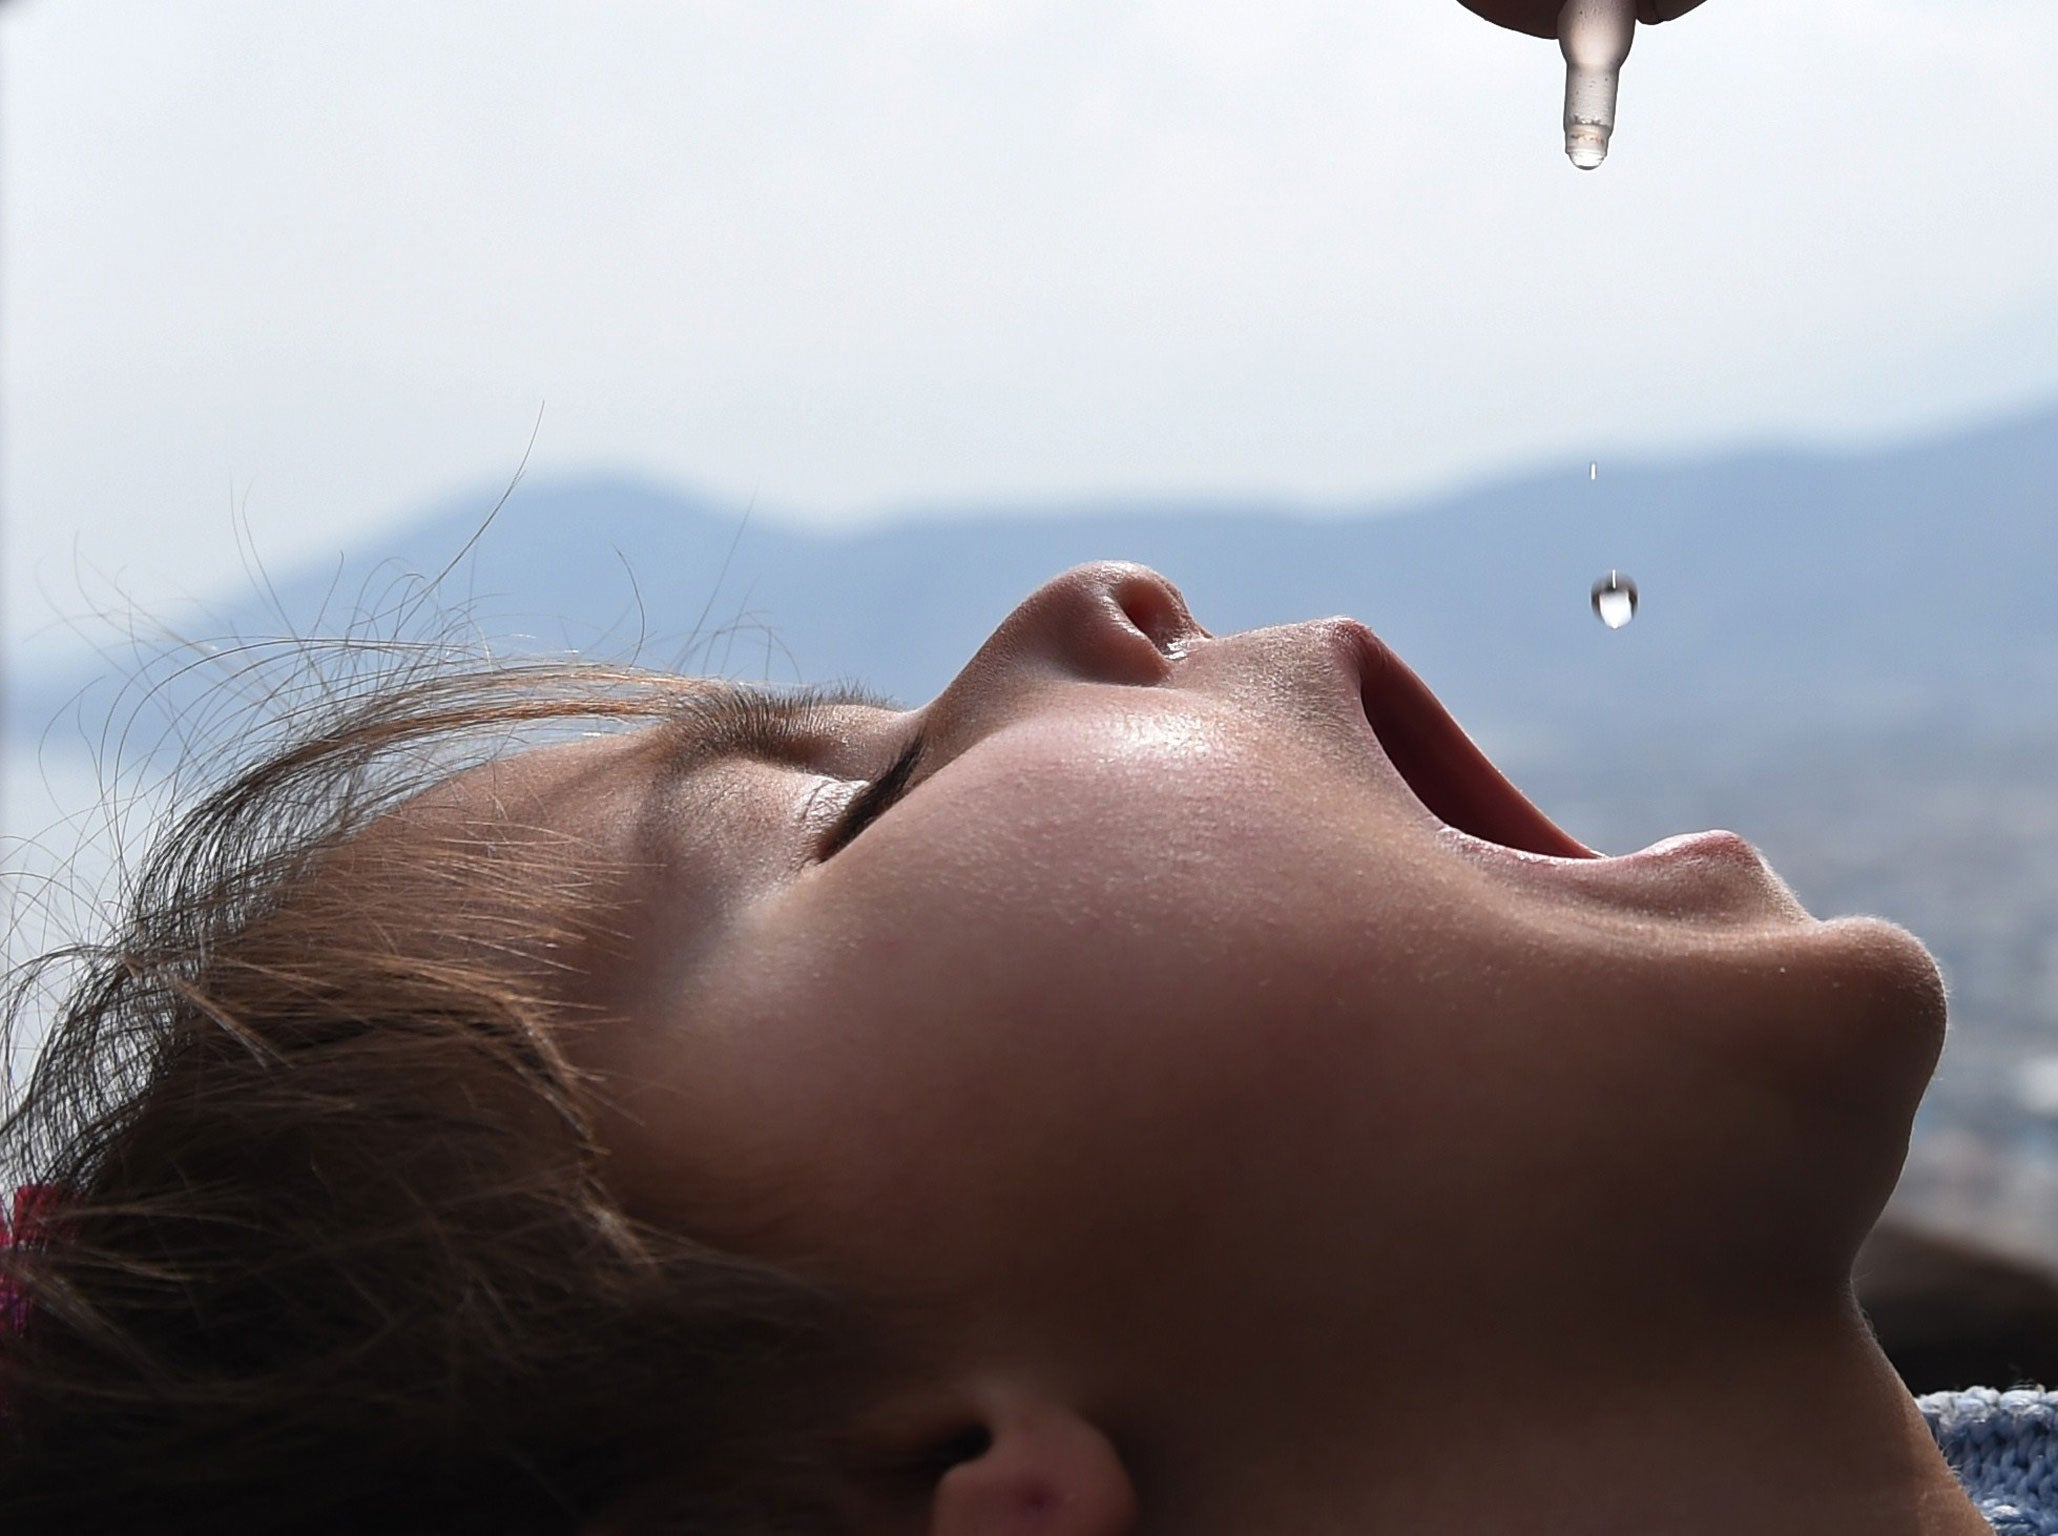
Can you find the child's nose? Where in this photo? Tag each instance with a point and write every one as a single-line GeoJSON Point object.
{"type": "Point", "coordinates": [1113, 621]}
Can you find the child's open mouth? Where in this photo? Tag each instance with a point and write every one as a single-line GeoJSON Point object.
{"type": "Point", "coordinates": [1450, 776]}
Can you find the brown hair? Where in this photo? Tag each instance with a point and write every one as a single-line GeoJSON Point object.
{"type": "Point", "coordinates": [332, 1249]}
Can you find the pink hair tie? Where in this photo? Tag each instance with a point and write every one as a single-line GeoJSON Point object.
{"type": "Point", "coordinates": [28, 1226]}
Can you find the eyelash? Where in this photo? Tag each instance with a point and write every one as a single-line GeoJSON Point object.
{"type": "Point", "coordinates": [874, 800]}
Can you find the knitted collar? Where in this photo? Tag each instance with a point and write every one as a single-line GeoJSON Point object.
{"type": "Point", "coordinates": [2003, 1447]}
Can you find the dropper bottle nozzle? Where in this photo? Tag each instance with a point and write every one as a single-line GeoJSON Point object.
{"type": "Point", "coordinates": [1594, 36]}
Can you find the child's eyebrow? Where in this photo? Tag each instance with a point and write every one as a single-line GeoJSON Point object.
{"type": "Point", "coordinates": [731, 721]}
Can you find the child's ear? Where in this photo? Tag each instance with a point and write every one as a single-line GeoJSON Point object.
{"type": "Point", "coordinates": [1046, 1471]}
{"type": "Point", "coordinates": [1018, 1464]}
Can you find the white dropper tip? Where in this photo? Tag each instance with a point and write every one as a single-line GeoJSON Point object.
{"type": "Point", "coordinates": [1587, 145]}
{"type": "Point", "coordinates": [1594, 36]}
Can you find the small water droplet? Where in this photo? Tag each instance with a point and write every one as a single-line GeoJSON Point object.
{"type": "Point", "coordinates": [1593, 470]}
{"type": "Point", "coordinates": [1614, 599]}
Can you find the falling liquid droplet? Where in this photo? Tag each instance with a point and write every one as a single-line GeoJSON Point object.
{"type": "Point", "coordinates": [1614, 599]}
{"type": "Point", "coordinates": [1593, 470]}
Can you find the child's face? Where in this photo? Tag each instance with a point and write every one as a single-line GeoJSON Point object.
{"type": "Point", "coordinates": [1162, 996]}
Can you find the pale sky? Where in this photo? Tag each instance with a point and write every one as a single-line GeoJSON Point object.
{"type": "Point", "coordinates": [323, 263]}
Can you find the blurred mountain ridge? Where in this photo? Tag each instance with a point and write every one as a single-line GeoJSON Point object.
{"type": "Point", "coordinates": [1783, 590]}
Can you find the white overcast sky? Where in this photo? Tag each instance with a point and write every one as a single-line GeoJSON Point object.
{"type": "Point", "coordinates": [325, 262]}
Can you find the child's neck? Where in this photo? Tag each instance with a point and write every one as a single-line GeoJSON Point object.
{"type": "Point", "coordinates": [1804, 1431]}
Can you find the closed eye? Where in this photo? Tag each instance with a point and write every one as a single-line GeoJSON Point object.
{"type": "Point", "coordinates": [875, 799]}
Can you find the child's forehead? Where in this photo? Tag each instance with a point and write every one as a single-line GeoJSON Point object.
{"type": "Point", "coordinates": [579, 781]}
{"type": "Point", "coordinates": [612, 812]}
{"type": "Point", "coordinates": [582, 794]}
{"type": "Point", "coordinates": [547, 776]}
{"type": "Point", "coordinates": [602, 846]}
{"type": "Point", "coordinates": [533, 851]}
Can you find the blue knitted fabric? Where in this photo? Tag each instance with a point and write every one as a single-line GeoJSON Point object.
{"type": "Point", "coordinates": [2003, 1446]}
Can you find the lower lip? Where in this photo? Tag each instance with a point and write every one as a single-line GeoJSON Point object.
{"type": "Point", "coordinates": [1713, 875]}
{"type": "Point", "coordinates": [1711, 848]}
{"type": "Point", "coordinates": [1695, 847]}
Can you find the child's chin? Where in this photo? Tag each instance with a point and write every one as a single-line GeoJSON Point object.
{"type": "Point", "coordinates": [1882, 999]}
{"type": "Point", "coordinates": [1915, 984]}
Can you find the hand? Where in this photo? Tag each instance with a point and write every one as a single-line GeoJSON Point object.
{"type": "Point", "coordinates": [1539, 18]}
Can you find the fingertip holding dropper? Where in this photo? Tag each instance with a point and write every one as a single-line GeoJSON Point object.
{"type": "Point", "coordinates": [1594, 36]}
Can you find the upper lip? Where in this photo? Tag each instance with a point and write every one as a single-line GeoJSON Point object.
{"type": "Point", "coordinates": [1452, 778]}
